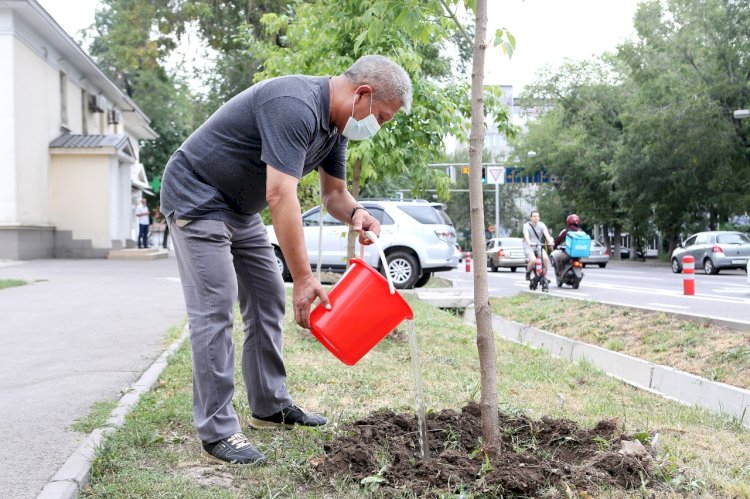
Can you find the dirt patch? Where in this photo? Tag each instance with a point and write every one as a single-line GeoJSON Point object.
{"type": "Point", "coordinates": [538, 456]}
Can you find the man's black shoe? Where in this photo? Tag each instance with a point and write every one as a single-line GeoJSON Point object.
{"type": "Point", "coordinates": [233, 450]}
{"type": "Point", "coordinates": [287, 418]}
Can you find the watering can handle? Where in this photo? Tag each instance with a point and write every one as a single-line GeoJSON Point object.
{"type": "Point", "coordinates": [372, 237]}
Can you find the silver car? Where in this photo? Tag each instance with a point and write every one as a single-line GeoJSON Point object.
{"type": "Point", "coordinates": [713, 251]}
{"type": "Point", "coordinates": [417, 237]}
{"type": "Point", "coordinates": [505, 252]}
{"type": "Point", "coordinates": [597, 256]}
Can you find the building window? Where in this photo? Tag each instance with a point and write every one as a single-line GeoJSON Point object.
{"type": "Point", "coordinates": [64, 102]}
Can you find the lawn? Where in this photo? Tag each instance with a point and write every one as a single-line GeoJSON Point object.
{"type": "Point", "coordinates": [11, 283]}
{"type": "Point", "coordinates": [711, 351]}
{"type": "Point", "coordinates": [156, 453]}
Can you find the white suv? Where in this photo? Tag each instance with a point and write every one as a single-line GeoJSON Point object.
{"type": "Point", "coordinates": [417, 238]}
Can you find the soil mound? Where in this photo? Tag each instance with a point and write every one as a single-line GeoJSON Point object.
{"type": "Point", "coordinates": [383, 451]}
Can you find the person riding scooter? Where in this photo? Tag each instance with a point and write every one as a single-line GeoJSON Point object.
{"type": "Point", "coordinates": [559, 257]}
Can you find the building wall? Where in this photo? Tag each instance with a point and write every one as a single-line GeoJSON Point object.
{"type": "Point", "coordinates": [8, 209]}
{"type": "Point", "coordinates": [37, 94]}
{"type": "Point", "coordinates": [80, 197]}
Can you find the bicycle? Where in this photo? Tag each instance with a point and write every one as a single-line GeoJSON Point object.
{"type": "Point", "coordinates": [537, 273]}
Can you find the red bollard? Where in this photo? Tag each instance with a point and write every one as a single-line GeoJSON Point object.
{"type": "Point", "coordinates": [688, 268]}
{"type": "Point", "coordinates": [468, 261]}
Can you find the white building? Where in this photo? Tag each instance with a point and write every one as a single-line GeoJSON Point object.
{"type": "Point", "coordinates": [69, 144]}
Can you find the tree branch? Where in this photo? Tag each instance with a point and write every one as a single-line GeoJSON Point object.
{"type": "Point", "coordinates": [458, 23]}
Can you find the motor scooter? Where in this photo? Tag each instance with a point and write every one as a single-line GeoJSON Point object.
{"type": "Point", "coordinates": [567, 270]}
{"type": "Point", "coordinates": [537, 274]}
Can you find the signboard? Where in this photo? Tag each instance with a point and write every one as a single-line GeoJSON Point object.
{"type": "Point", "coordinates": [495, 175]}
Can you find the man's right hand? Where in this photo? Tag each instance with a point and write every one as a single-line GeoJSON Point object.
{"type": "Point", "coordinates": [304, 293]}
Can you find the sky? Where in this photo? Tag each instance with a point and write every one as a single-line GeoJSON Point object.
{"type": "Point", "coordinates": [546, 31]}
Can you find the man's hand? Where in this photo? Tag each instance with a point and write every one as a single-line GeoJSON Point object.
{"type": "Point", "coordinates": [303, 295]}
{"type": "Point", "coordinates": [362, 221]}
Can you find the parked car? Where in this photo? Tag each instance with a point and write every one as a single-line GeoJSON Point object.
{"type": "Point", "coordinates": [713, 251]}
{"type": "Point", "coordinates": [506, 252]}
{"type": "Point", "coordinates": [747, 271]}
{"type": "Point", "coordinates": [625, 253]}
{"type": "Point", "coordinates": [417, 237]}
{"type": "Point", "coordinates": [597, 256]}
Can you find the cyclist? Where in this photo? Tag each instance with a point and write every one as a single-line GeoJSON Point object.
{"type": "Point", "coordinates": [533, 232]}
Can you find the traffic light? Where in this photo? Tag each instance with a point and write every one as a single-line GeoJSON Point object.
{"type": "Point", "coordinates": [484, 175]}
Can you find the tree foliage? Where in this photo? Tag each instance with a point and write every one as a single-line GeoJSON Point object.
{"type": "Point", "coordinates": [647, 135]}
{"type": "Point", "coordinates": [132, 40]}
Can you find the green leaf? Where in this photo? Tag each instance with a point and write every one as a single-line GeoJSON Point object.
{"type": "Point", "coordinates": [359, 40]}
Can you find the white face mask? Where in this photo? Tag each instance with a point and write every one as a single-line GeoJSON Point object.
{"type": "Point", "coordinates": [362, 129]}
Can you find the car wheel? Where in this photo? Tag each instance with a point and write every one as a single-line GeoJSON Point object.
{"type": "Point", "coordinates": [404, 269]}
{"type": "Point", "coordinates": [676, 267]}
{"type": "Point", "coordinates": [513, 269]}
{"type": "Point", "coordinates": [709, 267]}
{"type": "Point", "coordinates": [493, 267]}
{"type": "Point", "coordinates": [423, 279]}
{"type": "Point", "coordinates": [285, 274]}
{"type": "Point", "coordinates": [602, 265]}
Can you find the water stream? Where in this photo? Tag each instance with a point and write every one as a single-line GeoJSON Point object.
{"type": "Point", "coordinates": [424, 439]}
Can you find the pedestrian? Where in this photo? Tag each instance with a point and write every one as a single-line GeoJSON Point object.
{"type": "Point", "coordinates": [143, 214]}
{"type": "Point", "coordinates": [251, 154]}
{"type": "Point", "coordinates": [161, 219]}
{"type": "Point", "coordinates": [535, 233]}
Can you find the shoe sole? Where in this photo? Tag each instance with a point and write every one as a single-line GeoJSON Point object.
{"type": "Point", "coordinates": [259, 424]}
{"type": "Point", "coordinates": [213, 459]}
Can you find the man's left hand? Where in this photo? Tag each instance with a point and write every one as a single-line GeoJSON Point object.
{"type": "Point", "coordinates": [362, 221]}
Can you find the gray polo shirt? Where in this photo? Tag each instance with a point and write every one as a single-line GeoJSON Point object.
{"type": "Point", "coordinates": [219, 172]}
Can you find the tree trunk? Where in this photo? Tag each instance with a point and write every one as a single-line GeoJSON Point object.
{"type": "Point", "coordinates": [352, 236]}
{"type": "Point", "coordinates": [618, 242]}
{"type": "Point", "coordinates": [607, 239]}
{"type": "Point", "coordinates": [482, 310]}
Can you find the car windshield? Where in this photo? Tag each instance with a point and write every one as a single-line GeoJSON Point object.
{"type": "Point", "coordinates": [732, 239]}
{"type": "Point", "coordinates": [427, 214]}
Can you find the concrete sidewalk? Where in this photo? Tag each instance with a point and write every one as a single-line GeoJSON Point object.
{"type": "Point", "coordinates": [84, 331]}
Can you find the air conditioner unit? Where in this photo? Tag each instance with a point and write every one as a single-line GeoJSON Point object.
{"type": "Point", "coordinates": [114, 117]}
{"type": "Point", "coordinates": [97, 103]}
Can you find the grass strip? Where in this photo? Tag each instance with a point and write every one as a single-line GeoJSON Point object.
{"type": "Point", "coordinates": [11, 283]}
{"type": "Point", "coordinates": [156, 453]}
{"type": "Point", "coordinates": [711, 351]}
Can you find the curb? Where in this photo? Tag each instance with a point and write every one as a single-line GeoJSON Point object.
{"type": "Point", "coordinates": [665, 381]}
{"type": "Point", "coordinates": [74, 474]}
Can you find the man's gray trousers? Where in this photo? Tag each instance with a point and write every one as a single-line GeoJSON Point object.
{"type": "Point", "coordinates": [219, 262]}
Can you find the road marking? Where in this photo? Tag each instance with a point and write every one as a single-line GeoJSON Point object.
{"type": "Point", "coordinates": [666, 305]}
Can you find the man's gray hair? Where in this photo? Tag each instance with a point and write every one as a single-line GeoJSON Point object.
{"type": "Point", "coordinates": [387, 79]}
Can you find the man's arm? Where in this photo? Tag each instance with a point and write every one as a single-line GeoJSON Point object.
{"type": "Point", "coordinates": [526, 237]}
{"type": "Point", "coordinates": [281, 195]}
{"type": "Point", "coordinates": [340, 203]}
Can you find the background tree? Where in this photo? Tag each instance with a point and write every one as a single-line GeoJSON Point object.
{"type": "Point", "coordinates": [133, 39]}
{"type": "Point", "coordinates": [327, 36]}
{"type": "Point", "coordinates": [685, 152]}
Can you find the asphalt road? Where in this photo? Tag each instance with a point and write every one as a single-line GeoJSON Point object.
{"type": "Point", "coordinates": [83, 332]}
{"type": "Point", "coordinates": [649, 285]}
